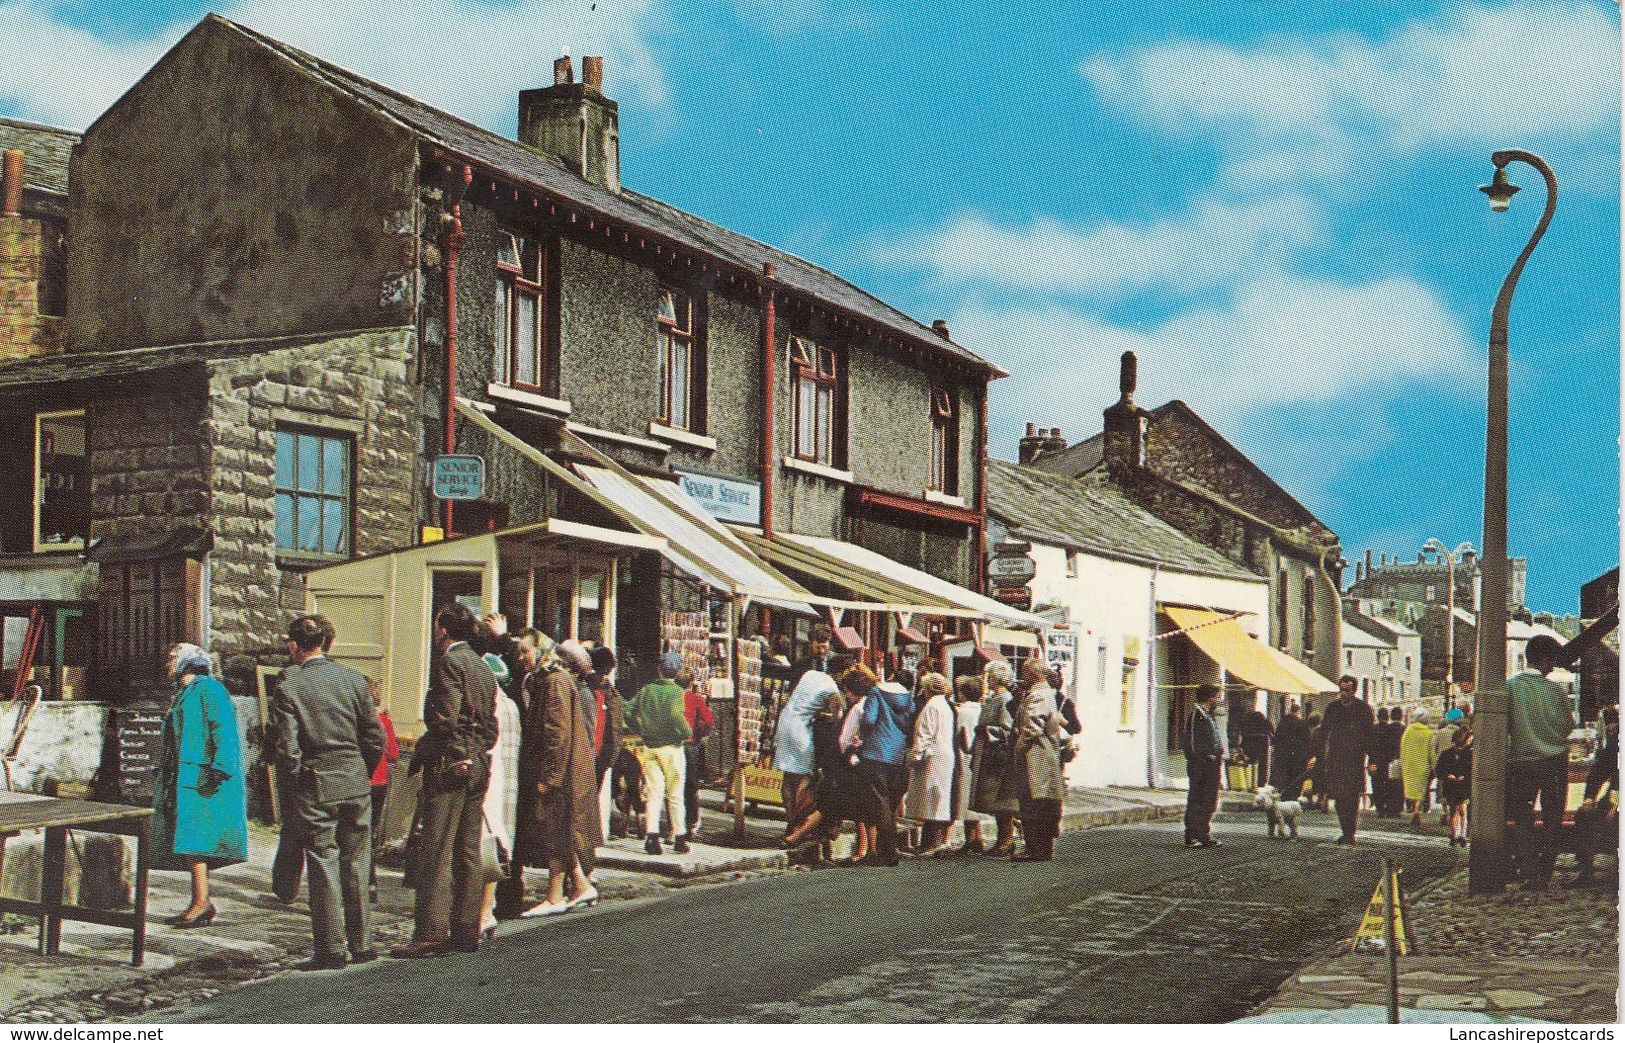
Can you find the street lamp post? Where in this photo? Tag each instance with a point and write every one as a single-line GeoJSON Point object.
{"type": "Point", "coordinates": [1450, 620]}
{"type": "Point", "coordinates": [1487, 865]}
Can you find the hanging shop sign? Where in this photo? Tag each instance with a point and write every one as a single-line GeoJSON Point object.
{"type": "Point", "coordinates": [724, 498]}
{"type": "Point", "coordinates": [459, 477]}
{"type": "Point", "coordinates": [1011, 565]}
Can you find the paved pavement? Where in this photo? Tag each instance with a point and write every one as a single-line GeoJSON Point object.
{"type": "Point", "coordinates": [256, 935]}
{"type": "Point", "coordinates": [1512, 957]}
{"type": "Point", "coordinates": [1125, 925]}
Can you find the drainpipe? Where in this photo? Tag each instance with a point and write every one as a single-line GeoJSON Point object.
{"type": "Point", "coordinates": [979, 552]}
{"type": "Point", "coordinates": [769, 353]}
{"type": "Point", "coordinates": [1151, 688]}
{"type": "Point", "coordinates": [454, 245]}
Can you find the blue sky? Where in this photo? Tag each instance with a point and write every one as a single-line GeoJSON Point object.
{"type": "Point", "coordinates": [1274, 204]}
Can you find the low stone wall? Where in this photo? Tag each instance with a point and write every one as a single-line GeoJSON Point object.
{"type": "Point", "coordinates": [62, 745]}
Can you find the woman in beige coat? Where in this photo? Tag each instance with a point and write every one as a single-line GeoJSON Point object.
{"type": "Point", "coordinates": [563, 821]}
{"type": "Point", "coordinates": [1034, 777]}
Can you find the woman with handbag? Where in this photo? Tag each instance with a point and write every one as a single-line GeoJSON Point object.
{"type": "Point", "coordinates": [1034, 775]}
{"type": "Point", "coordinates": [930, 793]}
{"type": "Point", "coordinates": [990, 756]}
{"type": "Point", "coordinates": [200, 807]}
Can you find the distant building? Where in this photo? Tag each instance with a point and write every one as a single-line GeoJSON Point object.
{"type": "Point", "coordinates": [1386, 657]}
{"type": "Point", "coordinates": [1404, 590]}
{"type": "Point", "coordinates": [1599, 670]}
{"type": "Point", "coordinates": [1431, 628]}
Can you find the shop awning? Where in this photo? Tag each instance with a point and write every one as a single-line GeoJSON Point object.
{"type": "Point", "coordinates": [878, 579]}
{"type": "Point", "coordinates": [993, 635]}
{"type": "Point", "coordinates": [697, 543]}
{"type": "Point", "coordinates": [1250, 660]}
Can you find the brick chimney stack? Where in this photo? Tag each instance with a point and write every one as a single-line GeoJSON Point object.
{"type": "Point", "coordinates": [1125, 423]}
{"type": "Point", "coordinates": [32, 270]}
{"type": "Point", "coordinates": [575, 123]}
{"type": "Point", "coordinates": [12, 205]}
{"type": "Point", "coordinates": [1031, 445]}
{"type": "Point", "coordinates": [940, 328]}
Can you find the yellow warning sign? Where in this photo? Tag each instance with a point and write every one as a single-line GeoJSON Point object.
{"type": "Point", "coordinates": [1372, 933]}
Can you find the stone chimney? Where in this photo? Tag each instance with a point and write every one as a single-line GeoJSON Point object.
{"type": "Point", "coordinates": [32, 270]}
{"type": "Point", "coordinates": [940, 328]}
{"type": "Point", "coordinates": [1125, 423]}
{"type": "Point", "coordinates": [1031, 445]}
{"type": "Point", "coordinates": [574, 123]}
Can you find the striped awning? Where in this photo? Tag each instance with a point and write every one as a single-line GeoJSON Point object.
{"type": "Point", "coordinates": [1221, 638]}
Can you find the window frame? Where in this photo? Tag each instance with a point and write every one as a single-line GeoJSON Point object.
{"type": "Point", "coordinates": [821, 367]}
{"type": "Point", "coordinates": [346, 496]}
{"type": "Point", "coordinates": [944, 413]}
{"type": "Point", "coordinates": [513, 285]}
{"type": "Point", "coordinates": [668, 334]}
{"type": "Point", "coordinates": [74, 543]}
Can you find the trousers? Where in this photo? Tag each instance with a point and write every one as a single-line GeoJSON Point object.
{"type": "Point", "coordinates": [693, 772]}
{"type": "Point", "coordinates": [288, 867]}
{"type": "Point", "coordinates": [1348, 808]}
{"type": "Point", "coordinates": [1537, 848]}
{"type": "Point", "coordinates": [338, 862]}
{"type": "Point", "coordinates": [880, 807]}
{"type": "Point", "coordinates": [1201, 800]}
{"type": "Point", "coordinates": [450, 879]}
{"type": "Point", "coordinates": [663, 769]}
{"type": "Point", "coordinates": [1040, 825]}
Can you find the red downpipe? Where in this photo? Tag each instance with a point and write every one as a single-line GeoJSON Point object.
{"type": "Point", "coordinates": [979, 555]}
{"type": "Point", "coordinates": [454, 245]}
{"type": "Point", "coordinates": [768, 429]}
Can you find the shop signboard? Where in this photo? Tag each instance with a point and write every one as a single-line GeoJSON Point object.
{"type": "Point", "coordinates": [1011, 565]}
{"type": "Point", "coordinates": [1015, 597]}
{"type": "Point", "coordinates": [724, 498]}
{"type": "Point", "coordinates": [1061, 650]}
{"type": "Point", "coordinates": [459, 477]}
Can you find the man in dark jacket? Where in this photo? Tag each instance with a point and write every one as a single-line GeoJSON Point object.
{"type": "Point", "coordinates": [460, 728]}
{"type": "Point", "coordinates": [817, 657]}
{"type": "Point", "coordinates": [330, 743]}
{"type": "Point", "coordinates": [1345, 740]}
{"type": "Point", "coordinates": [1204, 758]}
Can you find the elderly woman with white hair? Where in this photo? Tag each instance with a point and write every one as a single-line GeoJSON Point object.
{"type": "Point", "coordinates": [990, 756]}
{"type": "Point", "coordinates": [200, 806]}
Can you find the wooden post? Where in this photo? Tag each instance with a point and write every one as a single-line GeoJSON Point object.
{"type": "Point", "coordinates": [739, 758]}
{"type": "Point", "coordinates": [1390, 907]}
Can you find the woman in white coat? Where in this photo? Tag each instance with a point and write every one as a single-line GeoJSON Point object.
{"type": "Point", "coordinates": [931, 766]}
{"type": "Point", "coordinates": [501, 797]}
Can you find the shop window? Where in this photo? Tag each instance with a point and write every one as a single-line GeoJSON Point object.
{"type": "Point", "coordinates": [1281, 609]}
{"type": "Point", "coordinates": [1308, 612]}
{"type": "Point", "coordinates": [682, 362]}
{"type": "Point", "coordinates": [62, 481]}
{"type": "Point", "coordinates": [944, 442]}
{"type": "Point", "coordinates": [1180, 708]}
{"type": "Point", "coordinates": [313, 492]}
{"type": "Point", "coordinates": [522, 357]}
{"type": "Point", "coordinates": [815, 387]}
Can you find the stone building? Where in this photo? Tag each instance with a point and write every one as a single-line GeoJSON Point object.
{"type": "Point", "coordinates": [33, 238]}
{"type": "Point", "coordinates": [1170, 462]}
{"type": "Point", "coordinates": [290, 288]}
{"type": "Point", "coordinates": [1404, 590]}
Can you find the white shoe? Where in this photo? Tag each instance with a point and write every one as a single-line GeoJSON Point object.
{"type": "Point", "coordinates": [588, 897]}
{"type": "Point", "coordinates": [547, 909]}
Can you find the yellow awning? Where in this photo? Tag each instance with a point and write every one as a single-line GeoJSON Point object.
{"type": "Point", "coordinates": [992, 635]}
{"type": "Point", "coordinates": [1250, 660]}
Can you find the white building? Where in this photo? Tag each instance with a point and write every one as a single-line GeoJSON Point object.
{"type": "Point", "coordinates": [1386, 657]}
{"type": "Point", "coordinates": [1154, 614]}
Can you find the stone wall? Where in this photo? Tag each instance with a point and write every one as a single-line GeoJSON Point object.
{"type": "Point", "coordinates": [26, 245]}
{"type": "Point", "coordinates": [148, 458]}
{"type": "Point", "coordinates": [62, 746]}
{"type": "Point", "coordinates": [353, 386]}
{"type": "Point", "coordinates": [1184, 449]}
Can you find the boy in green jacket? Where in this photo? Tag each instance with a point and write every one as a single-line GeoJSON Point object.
{"type": "Point", "coordinates": [656, 713]}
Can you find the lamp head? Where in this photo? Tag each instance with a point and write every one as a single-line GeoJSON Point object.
{"type": "Point", "coordinates": [1500, 190]}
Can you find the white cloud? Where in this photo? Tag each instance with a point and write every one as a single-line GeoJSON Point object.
{"type": "Point", "coordinates": [1211, 244]}
{"type": "Point", "coordinates": [469, 57]}
{"type": "Point", "coordinates": [1283, 343]}
{"type": "Point", "coordinates": [1476, 77]}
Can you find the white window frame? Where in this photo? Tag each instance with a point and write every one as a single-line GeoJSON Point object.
{"type": "Point", "coordinates": [78, 542]}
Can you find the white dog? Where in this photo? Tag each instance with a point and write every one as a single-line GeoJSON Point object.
{"type": "Point", "coordinates": [1283, 814]}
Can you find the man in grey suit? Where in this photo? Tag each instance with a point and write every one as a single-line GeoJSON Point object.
{"type": "Point", "coordinates": [459, 729]}
{"type": "Point", "coordinates": [331, 742]}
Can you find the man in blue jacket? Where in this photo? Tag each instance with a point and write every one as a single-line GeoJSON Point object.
{"type": "Point", "coordinates": [1204, 756]}
{"type": "Point", "coordinates": [883, 741]}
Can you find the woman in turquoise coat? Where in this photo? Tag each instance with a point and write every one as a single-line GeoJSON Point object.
{"type": "Point", "coordinates": [200, 807]}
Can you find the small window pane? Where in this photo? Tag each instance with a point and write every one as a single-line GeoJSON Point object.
{"type": "Point", "coordinates": [525, 341]}
{"type": "Point", "coordinates": [504, 330]}
{"type": "Point", "coordinates": [668, 306]}
{"type": "Point", "coordinates": [806, 418]}
{"type": "Point", "coordinates": [310, 524]}
{"type": "Point", "coordinates": [334, 538]}
{"type": "Point", "coordinates": [335, 469]}
{"type": "Point", "coordinates": [284, 521]}
{"type": "Point", "coordinates": [508, 251]}
{"type": "Point", "coordinates": [284, 460]}
{"type": "Point", "coordinates": [679, 384]}
{"type": "Point", "coordinates": [310, 463]}
{"type": "Point", "coordinates": [529, 257]}
{"type": "Point", "coordinates": [824, 424]}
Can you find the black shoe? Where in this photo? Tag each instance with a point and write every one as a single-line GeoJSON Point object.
{"type": "Point", "coordinates": [1210, 842]}
{"type": "Point", "coordinates": [364, 956]}
{"type": "Point", "coordinates": [651, 845]}
{"type": "Point", "coordinates": [328, 962]}
{"type": "Point", "coordinates": [1345, 841]}
{"type": "Point", "coordinates": [202, 919]}
{"type": "Point", "coordinates": [681, 847]}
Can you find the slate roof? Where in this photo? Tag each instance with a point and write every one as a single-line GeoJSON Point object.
{"type": "Point", "coordinates": [47, 150]}
{"type": "Point", "coordinates": [531, 167]}
{"type": "Point", "coordinates": [1355, 635]}
{"type": "Point", "coordinates": [1095, 519]}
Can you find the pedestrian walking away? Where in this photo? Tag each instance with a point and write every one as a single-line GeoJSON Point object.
{"type": "Point", "coordinates": [1455, 773]}
{"type": "Point", "coordinates": [563, 826]}
{"type": "Point", "coordinates": [1539, 720]}
{"type": "Point", "coordinates": [200, 805]}
{"type": "Point", "coordinates": [1204, 758]}
{"type": "Point", "coordinates": [1034, 775]}
{"type": "Point", "coordinates": [656, 714]}
{"type": "Point", "coordinates": [330, 743]}
{"type": "Point", "coordinates": [609, 724]}
{"type": "Point", "coordinates": [967, 712]}
{"type": "Point", "coordinates": [701, 722]}
{"type": "Point", "coordinates": [990, 757]}
{"type": "Point", "coordinates": [1291, 754]}
{"type": "Point", "coordinates": [883, 733]}
{"type": "Point", "coordinates": [380, 786]}
{"type": "Point", "coordinates": [930, 795]}
{"type": "Point", "coordinates": [459, 719]}
{"type": "Point", "coordinates": [1416, 761]}
{"type": "Point", "coordinates": [1345, 740]}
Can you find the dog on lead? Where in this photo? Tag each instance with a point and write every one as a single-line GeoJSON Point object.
{"type": "Point", "coordinates": [1282, 814]}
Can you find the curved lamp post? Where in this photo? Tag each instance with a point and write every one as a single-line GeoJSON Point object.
{"type": "Point", "coordinates": [1450, 620]}
{"type": "Point", "coordinates": [1487, 866]}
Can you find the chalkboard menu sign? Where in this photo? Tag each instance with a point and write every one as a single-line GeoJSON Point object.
{"type": "Point", "coordinates": [138, 735]}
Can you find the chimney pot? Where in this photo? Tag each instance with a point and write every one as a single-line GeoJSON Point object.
{"type": "Point", "coordinates": [941, 328]}
{"type": "Point", "coordinates": [1128, 375]}
{"type": "Point", "coordinates": [1032, 430]}
{"type": "Point", "coordinates": [563, 72]}
{"type": "Point", "coordinates": [11, 196]}
{"type": "Point", "coordinates": [1055, 432]}
{"type": "Point", "coordinates": [592, 71]}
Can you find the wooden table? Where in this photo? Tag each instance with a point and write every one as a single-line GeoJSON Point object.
{"type": "Point", "coordinates": [20, 811]}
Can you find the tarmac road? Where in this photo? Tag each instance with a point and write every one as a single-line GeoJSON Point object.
{"type": "Point", "coordinates": [1125, 925]}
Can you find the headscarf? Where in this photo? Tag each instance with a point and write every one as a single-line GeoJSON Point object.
{"type": "Point", "coordinates": [934, 685]}
{"type": "Point", "coordinates": [1453, 715]}
{"type": "Point", "coordinates": [191, 659]}
{"type": "Point", "coordinates": [574, 654]}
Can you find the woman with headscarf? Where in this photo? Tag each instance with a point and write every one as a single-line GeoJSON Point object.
{"type": "Point", "coordinates": [990, 756]}
{"type": "Point", "coordinates": [1034, 777]}
{"type": "Point", "coordinates": [793, 744]}
{"type": "Point", "coordinates": [1416, 761]}
{"type": "Point", "coordinates": [200, 806]}
{"type": "Point", "coordinates": [967, 712]}
{"type": "Point", "coordinates": [930, 795]}
{"type": "Point", "coordinates": [565, 819]}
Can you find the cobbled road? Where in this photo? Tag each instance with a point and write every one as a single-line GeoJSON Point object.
{"type": "Point", "coordinates": [1125, 925]}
